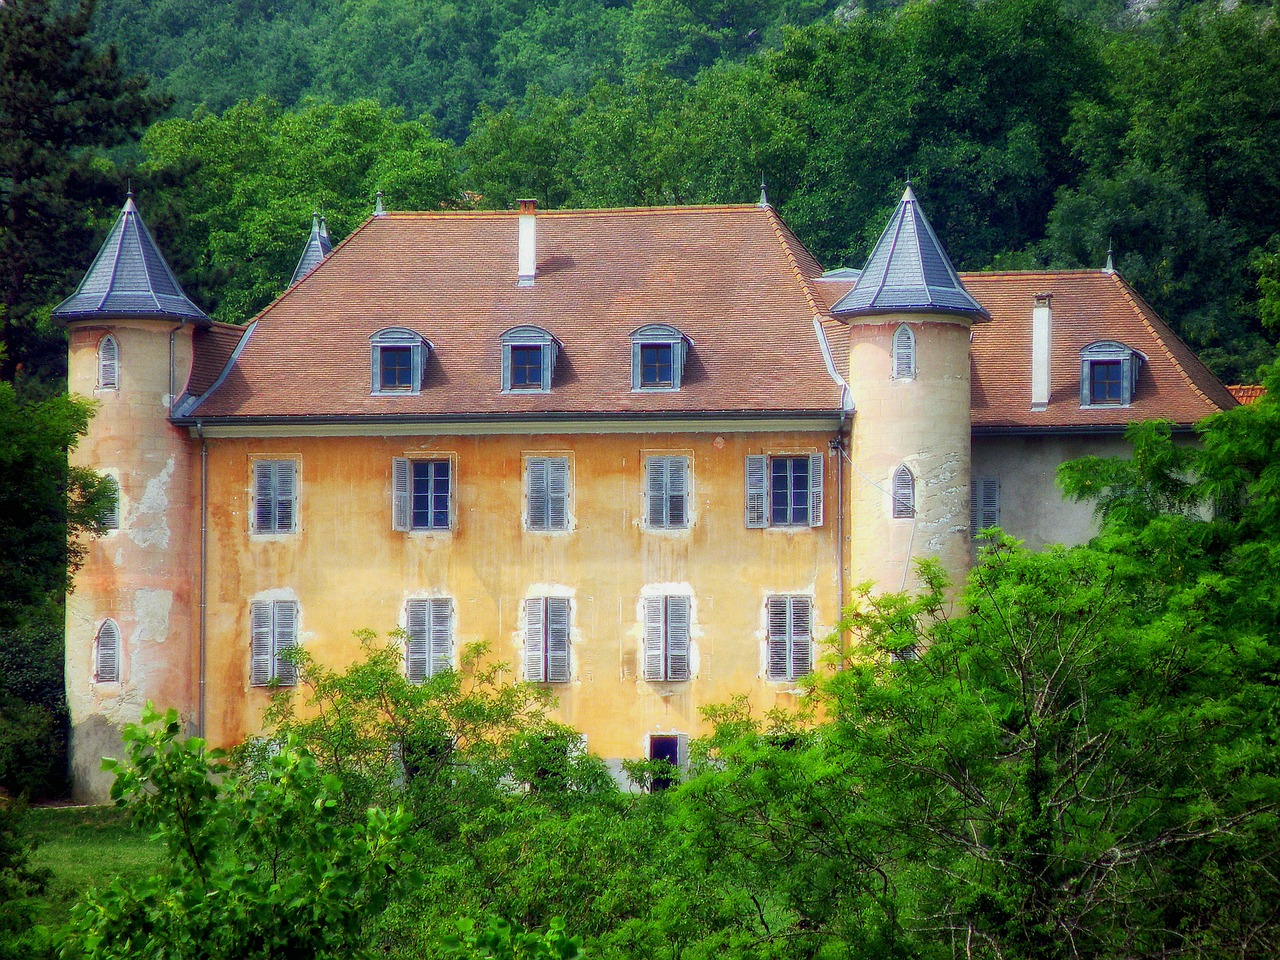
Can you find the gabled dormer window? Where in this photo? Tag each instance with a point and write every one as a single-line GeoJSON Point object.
{"type": "Point", "coordinates": [1108, 374]}
{"type": "Point", "coordinates": [399, 357]}
{"type": "Point", "coordinates": [658, 353]}
{"type": "Point", "coordinates": [108, 363]}
{"type": "Point", "coordinates": [528, 360]}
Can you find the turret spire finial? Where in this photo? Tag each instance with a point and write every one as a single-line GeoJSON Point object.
{"type": "Point", "coordinates": [378, 209]}
{"type": "Point", "coordinates": [1110, 267]}
{"type": "Point", "coordinates": [764, 196]}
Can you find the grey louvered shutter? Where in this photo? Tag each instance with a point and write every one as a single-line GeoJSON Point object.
{"type": "Point", "coordinates": [558, 494]}
{"type": "Point", "coordinates": [111, 519]}
{"type": "Point", "coordinates": [260, 644]}
{"type": "Point", "coordinates": [777, 638]}
{"type": "Point", "coordinates": [677, 638]}
{"type": "Point", "coordinates": [441, 635]}
{"type": "Point", "coordinates": [286, 495]}
{"type": "Point", "coordinates": [417, 644]}
{"type": "Point", "coordinates": [1126, 379]}
{"type": "Point", "coordinates": [535, 633]}
{"type": "Point", "coordinates": [107, 654]}
{"type": "Point", "coordinates": [757, 491]}
{"type": "Point", "coordinates": [904, 354]}
{"type": "Point", "coordinates": [401, 514]}
{"type": "Point", "coordinates": [537, 493]}
{"type": "Point", "coordinates": [1086, 386]}
{"type": "Point", "coordinates": [677, 492]}
{"type": "Point", "coordinates": [904, 493]}
{"type": "Point", "coordinates": [286, 638]}
{"type": "Point", "coordinates": [801, 637]}
{"type": "Point", "coordinates": [108, 363]}
{"type": "Point", "coordinates": [815, 489]}
{"type": "Point", "coordinates": [506, 367]}
{"type": "Point", "coordinates": [974, 517]}
{"type": "Point", "coordinates": [635, 365]}
{"type": "Point", "coordinates": [655, 484]}
{"type": "Point", "coordinates": [989, 503]}
{"type": "Point", "coordinates": [549, 352]}
{"type": "Point", "coordinates": [653, 652]}
{"type": "Point", "coordinates": [557, 639]}
{"type": "Point", "coordinates": [263, 496]}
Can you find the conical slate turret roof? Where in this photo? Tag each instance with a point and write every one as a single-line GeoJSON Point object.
{"type": "Point", "coordinates": [129, 278]}
{"type": "Point", "coordinates": [317, 248]}
{"type": "Point", "coordinates": [908, 271]}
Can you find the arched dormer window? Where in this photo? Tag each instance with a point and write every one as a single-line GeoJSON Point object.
{"type": "Point", "coordinates": [106, 653]}
{"type": "Point", "coordinates": [108, 363]}
{"type": "Point", "coordinates": [399, 357]}
{"type": "Point", "coordinates": [528, 360]}
{"type": "Point", "coordinates": [658, 353]}
{"type": "Point", "coordinates": [904, 493]}
{"type": "Point", "coordinates": [904, 353]}
{"type": "Point", "coordinates": [1109, 374]}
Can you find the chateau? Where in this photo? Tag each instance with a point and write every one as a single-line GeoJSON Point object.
{"type": "Point", "coordinates": [644, 454]}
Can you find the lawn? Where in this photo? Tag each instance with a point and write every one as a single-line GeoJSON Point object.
{"type": "Point", "coordinates": [86, 847]}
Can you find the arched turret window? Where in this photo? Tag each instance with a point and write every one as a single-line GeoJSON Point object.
{"type": "Point", "coordinates": [106, 653]}
{"type": "Point", "coordinates": [108, 363]}
{"type": "Point", "coordinates": [904, 354]}
{"type": "Point", "coordinates": [904, 493]}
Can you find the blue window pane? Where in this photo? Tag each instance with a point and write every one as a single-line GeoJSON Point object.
{"type": "Point", "coordinates": [431, 491]}
{"type": "Point", "coordinates": [526, 368]}
{"type": "Point", "coordinates": [1105, 385]}
{"type": "Point", "coordinates": [655, 365]}
{"type": "Point", "coordinates": [789, 491]}
{"type": "Point", "coordinates": [396, 366]}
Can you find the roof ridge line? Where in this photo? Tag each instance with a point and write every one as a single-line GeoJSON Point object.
{"type": "Point", "coordinates": [293, 286]}
{"type": "Point", "coordinates": [146, 267]}
{"type": "Point", "coordinates": [117, 250]}
{"type": "Point", "coordinates": [778, 232]}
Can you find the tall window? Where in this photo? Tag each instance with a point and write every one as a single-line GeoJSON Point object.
{"type": "Point", "coordinates": [658, 353]}
{"type": "Point", "coordinates": [904, 353]}
{"type": "Point", "coordinates": [275, 496]}
{"type": "Point", "coordinates": [546, 639]}
{"type": "Point", "coordinates": [666, 638]}
{"type": "Point", "coordinates": [666, 484]}
{"type": "Point", "coordinates": [547, 493]}
{"type": "Point", "coordinates": [398, 357]}
{"type": "Point", "coordinates": [984, 503]}
{"type": "Point", "coordinates": [106, 653]}
{"type": "Point", "coordinates": [528, 359]}
{"type": "Point", "coordinates": [429, 647]}
{"type": "Point", "coordinates": [108, 363]}
{"type": "Point", "coordinates": [790, 638]}
{"type": "Point", "coordinates": [784, 491]}
{"type": "Point", "coordinates": [111, 518]}
{"type": "Point", "coordinates": [672, 748]}
{"type": "Point", "coordinates": [904, 493]}
{"type": "Point", "coordinates": [422, 494]}
{"type": "Point", "coordinates": [274, 629]}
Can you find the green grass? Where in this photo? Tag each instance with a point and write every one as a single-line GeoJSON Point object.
{"type": "Point", "coordinates": [86, 847]}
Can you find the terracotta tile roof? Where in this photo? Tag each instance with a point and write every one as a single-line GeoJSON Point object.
{"type": "Point", "coordinates": [733, 279]}
{"type": "Point", "coordinates": [213, 347]}
{"type": "Point", "coordinates": [1246, 393]}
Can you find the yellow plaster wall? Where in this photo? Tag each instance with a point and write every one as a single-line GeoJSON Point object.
{"type": "Point", "coordinates": [348, 569]}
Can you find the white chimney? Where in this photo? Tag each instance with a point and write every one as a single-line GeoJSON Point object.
{"type": "Point", "coordinates": [1041, 350]}
{"type": "Point", "coordinates": [528, 242]}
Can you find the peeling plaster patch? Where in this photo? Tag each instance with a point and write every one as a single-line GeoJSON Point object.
{"type": "Point", "coordinates": [150, 527]}
{"type": "Point", "coordinates": [151, 614]}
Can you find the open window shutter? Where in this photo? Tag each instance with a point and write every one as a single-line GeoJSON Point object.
{"type": "Point", "coordinates": [777, 640]}
{"type": "Point", "coordinates": [376, 368]}
{"type": "Point", "coordinates": [286, 630]}
{"type": "Point", "coordinates": [419, 361]}
{"type": "Point", "coordinates": [535, 659]}
{"type": "Point", "coordinates": [677, 491]}
{"type": "Point", "coordinates": [1126, 379]}
{"type": "Point", "coordinates": [441, 635]}
{"type": "Point", "coordinates": [989, 503]}
{"type": "Point", "coordinates": [537, 481]}
{"type": "Point", "coordinates": [260, 644]}
{"type": "Point", "coordinates": [286, 494]}
{"type": "Point", "coordinates": [417, 645]}
{"type": "Point", "coordinates": [682, 751]}
{"type": "Point", "coordinates": [263, 496]}
{"type": "Point", "coordinates": [107, 667]}
{"type": "Point", "coordinates": [677, 363]}
{"type": "Point", "coordinates": [801, 636]}
{"type": "Point", "coordinates": [635, 365]}
{"type": "Point", "coordinates": [815, 489]}
{"type": "Point", "coordinates": [108, 364]}
{"type": "Point", "coordinates": [506, 367]}
{"type": "Point", "coordinates": [400, 512]}
{"type": "Point", "coordinates": [655, 483]}
{"type": "Point", "coordinates": [548, 363]}
{"type": "Point", "coordinates": [653, 638]}
{"type": "Point", "coordinates": [558, 494]}
{"type": "Point", "coordinates": [757, 491]}
{"type": "Point", "coordinates": [677, 638]}
{"type": "Point", "coordinates": [558, 639]}
{"type": "Point", "coordinates": [1086, 388]}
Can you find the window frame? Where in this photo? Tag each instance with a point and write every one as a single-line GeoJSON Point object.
{"type": "Point", "coordinates": [1109, 353]}
{"type": "Point", "coordinates": [759, 511]}
{"type": "Point", "coordinates": [667, 481]}
{"type": "Point", "coordinates": [552, 520]}
{"type": "Point", "coordinates": [681, 764]}
{"type": "Point", "coordinates": [404, 494]}
{"type": "Point", "coordinates": [903, 493]}
{"type": "Point", "coordinates": [429, 628]}
{"type": "Point", "coordinates": [529, 336]}
{"type": "Point", "coordinates": [398, 338]}
{"type": "Point", "coordinates": [107, 655]}
{"type": "Point", "coordinates": [667, 653]}
{"type": "Point", "coordinates": [273, 628]}
{"type": "Point", "coordinates": [658, 335]}
{"type": "Point", "coordinates": [275, 483]}
{"type": "Point", "coordinates": [548, 640]}
{"type": "Point", "coordinates": [788, 650]}
{"type": "Point", "coordinates": [108, 366]}
{"type": "Point", "coordinates": [904, 353]}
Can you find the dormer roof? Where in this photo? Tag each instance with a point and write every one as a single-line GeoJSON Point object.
{"type": "Point", "coordinates": [317, 248]}
{"type": "Point", "coordinates": [908, 272]}
{"type": "Point", "coordinates": [129, 278]}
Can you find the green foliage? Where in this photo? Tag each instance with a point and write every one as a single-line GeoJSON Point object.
{"type": "Point", "coordinates": [495, 940]}
{"type": "Point", "coordinates": [20, 883]}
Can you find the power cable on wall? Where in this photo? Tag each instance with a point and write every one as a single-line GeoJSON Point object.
{"type": "Point", "coordinates": [906, 569]}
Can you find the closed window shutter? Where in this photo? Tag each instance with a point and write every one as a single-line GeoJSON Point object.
{"type": "Point", "coordinates": [558, 494]}
{"type": "Point", "coordinates": [111, 518]}
{"type": "Point", "coordinates": [400, 500]}
{"type": "Point", "coordinates": [677, 638]}
{"type": "Point", "coordinates": [653, 652]}
{"type": "Point", "coordinates": [801, 637]}
{"type": "Point", "coordinates": [263, 496]}
{"type": "Point", "coordinates": [677, 492]}
{"type": "Point", "coordinates": [655, 483]}
{"type": "Point", "coordinates": [757, 491]}
{"type": "Point", "coordinates": [989, 503]}
{"type": "Point", "coordinates": [286, 495]}
{"type": "Point", "coordinates": [286, 637]}
{"type": "Point", "coordinates": [904, 354]}
{"type": "Point", "coordinates": [558, 639]}
{"type": "Point", "coordinates": [441, 635]}
{"type": "Point", "coordinates": [260, 654]}
{"type": "Point", "coordinates": [535, 660]}
{"type": "Point", "coordinates": [108, 364]}
{"type": "Point", "coordinates": [417, 645]}
{"type": "Point", "coordinates": [107, 654]}
{"type": "Point", "coordinates": [815, 489]}
{"type": "Point", "coordinates": [537, 481]}
{"type": "Point", "coordinates": [974, 516]}
{"type": "Point", "coordinates": [777, 639]}
{"type": "Point", "coordinates": [904, 493]}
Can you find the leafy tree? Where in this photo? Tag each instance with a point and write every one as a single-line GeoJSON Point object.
{"type": "Point", "coordinates": [61, 102]}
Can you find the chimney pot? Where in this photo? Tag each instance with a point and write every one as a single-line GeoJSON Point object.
{"type": "Point", "coordinates": [528, 249]}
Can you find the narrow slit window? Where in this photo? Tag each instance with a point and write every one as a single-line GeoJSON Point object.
{"type": "Point", "coordinates": [108, 363]}
{"type": "Point", "coordinates": [106, 653]}
{"type": "Point", "coordinates": [904, 493]}
{"type": "Point", "coordinates": [904, 353]}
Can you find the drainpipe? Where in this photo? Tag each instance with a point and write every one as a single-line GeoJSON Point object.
{"type": "Point", "coordinates": [204, 556]}
{"type": "Point", "coordinates": [837, 444]}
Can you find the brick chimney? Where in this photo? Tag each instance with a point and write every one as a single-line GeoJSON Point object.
{"type": "Point", "coordinates": [528, 260]}
{"type": "Point", "coordinates": [1041, 350]}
